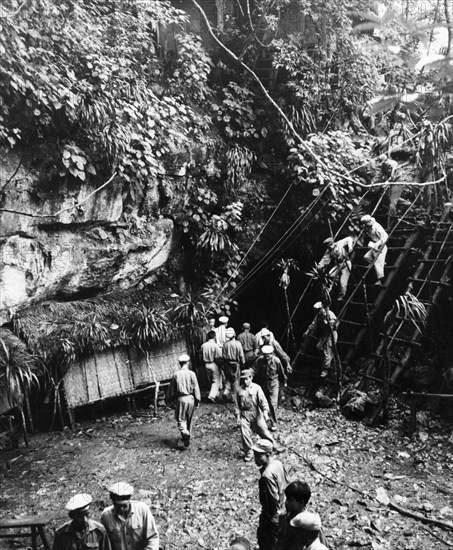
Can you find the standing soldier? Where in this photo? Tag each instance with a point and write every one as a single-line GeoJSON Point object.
{"type": "Point", "coordinates": [278, 351]}
{"type": "Point", "coordinates": [324, 326]}
{"type": "Point", "coordinates": [377, 236]}
{"type": "Point", "coordinates": [81, 532]}
{"type": "Point", "coordinates": [254, 412]}
{"type": "Point", "coordinates": [184, 386]}
{"type": "Point", "coordinates": [338, 253]}
{"type": "Point", "coordinates": [211, 354]}
{"type": "Point", "coordinates": [269, 374]}
{"type": "Point", "coordinates": [130, 524]}
{"type": "Point", "coordinates": [233, 361]}
{"type": "Point", "coordinates": [272, 485]}
{"type": "Point", "coordinates": [264, 329]}
{"type": "Point", "coordinates": [249, 345]}
{"type": "Point", "coordinates": [220, 331]}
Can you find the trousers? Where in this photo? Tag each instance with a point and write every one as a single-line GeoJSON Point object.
{"type": "Point", "coordinates": [231, 373]}
{"type": "Point", "coordinates": [271, 391]}
{"type": "Point", "coordinates": [253, 424]}
{"type": "Point", "coordinates": [378, 258]}
{"type": "Point", "coordinates": [215, 378]}
{"type": "Point", "coordinates": [340, 274]}
{"type": "Point", "coordinates": [267, 533]}
{"type": "Point", "coordinates": [185, 408]}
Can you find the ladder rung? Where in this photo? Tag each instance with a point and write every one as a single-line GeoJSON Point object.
{"type": "Point", "coordinates": [343, 321]}
{"type": "Point", "coordinates": [440, 260]}
{"type": "Point", "coordinates": [445, 241]}
{"type": "Point", "coordinates": [374, 354]}
{"type": "Point", "coordinates": [344, 343]}
{"type": "Point", "coordinates": [403, 341]}
{"type": "Point", "coordinates": [442, 283]}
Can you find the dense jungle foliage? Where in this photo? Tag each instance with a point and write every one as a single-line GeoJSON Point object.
{"type": "Point", "coordinates": [89, 88]}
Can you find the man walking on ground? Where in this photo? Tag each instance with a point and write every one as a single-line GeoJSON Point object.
{"type": "Point", "coordinates": [220, 331]}
{"type": "Point", "coordinates": [271, 485]}
{"type": "Point", "coordinates": [249, 345]}
{"type": "Point", "coordinates": [324, 326]}
{"type": "Point", "coordinates": [211, 355]}
{"type": "Point", "coordinates": [259, 335]}
{"type": "Point", "coordinates": [233, 360]}
{"type": "Point", "coordinates": [254, 412]}
{"type": "Point", "coordinates": [268, 372]}
{"type": "Point", "coordinates": [184, 386]}
{"type": "Point", "coordinates": [82, 532]}
{"type": "Point", "coordinates": [278, 350]}
{"type": "Point", "coordinates": [377, 236]}
{"type": "Point", "coordinates": [337, 258]}
{"type": "Point", "coordinates": [129, 524]}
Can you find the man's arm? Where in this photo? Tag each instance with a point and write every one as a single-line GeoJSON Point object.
{"type": "Point", "coordinates": [104, 542]}
{"type": "Point", "coordinates": [325, 260]}
{"type": "Point", "coordinates": [262, 403]}
{"type": "Point", "coordinates": [151, 534]}
{"type": "Point", "coordinates": [271, 497]}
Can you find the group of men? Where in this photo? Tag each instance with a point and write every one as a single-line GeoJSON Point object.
{"type": "Point", "coordinates": [284, 523]}
{"type": "Point", "coordinates": [125, 525]}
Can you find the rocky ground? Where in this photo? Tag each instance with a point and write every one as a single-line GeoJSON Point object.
{"type": "Point", "coordinates": [202, 497]}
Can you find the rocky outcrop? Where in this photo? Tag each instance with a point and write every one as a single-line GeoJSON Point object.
{"type": "Point", "coordinates": [54, 244]}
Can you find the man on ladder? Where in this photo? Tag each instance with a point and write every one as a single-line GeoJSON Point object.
{"type": "Point", "coordinates": [378, 237]}
{"type": "Point", "coordinates": [338, 256]}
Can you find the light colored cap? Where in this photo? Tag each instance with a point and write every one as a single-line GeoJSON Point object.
{"type": "Point", "coordinates": [267, 350]}
{"type": "Point", "coordinates": [230, 332]}
{"type": "Point", "coordinates": [79, 502]}
{"type": "Point", "coordinates": [246, 373]}
{"type": "Point", "coordinates": [318, 305]}
{"type": "Point", "coordinates": [122, 489]}
{"type": "Point", "coordinates": [307, 521]}
{"type": "Point", "coordinates": [263, 446]}
{"type": "Point", "coordinates": [265, 332]}
{"type": "Point", "coordinates": [329, 240]}
{"type": "Point", "coordinates": [246, 325]}
{"type": "Point", "coordinates": [184, 358]}
{"type": "Point", "coordinates": [366, 219]}
{"type": "Point", "coordinates": [224, 319]}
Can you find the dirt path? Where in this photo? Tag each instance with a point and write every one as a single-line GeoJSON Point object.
{"type": "Point", "coordinates": [204, 496]}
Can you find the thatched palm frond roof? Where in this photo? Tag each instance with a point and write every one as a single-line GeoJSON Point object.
{"type": "Point", "coordinates": [60, 332]}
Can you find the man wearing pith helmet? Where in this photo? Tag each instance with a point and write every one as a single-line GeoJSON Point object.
{"type": "Point", "coordinates": [82, 532]}
{"type": "Point", "coordinates": [271, 485]}
{"type": "Point", "coordinates": [308, 525]}
{"type": "Point", "coordinates": [129, 524]}
{"type": "Point", "coordinates": [184, 387]}
{"type": "Point", "coordinates": [377, 252]}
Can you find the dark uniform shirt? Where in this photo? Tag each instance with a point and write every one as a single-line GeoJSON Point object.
{"type": "Point", "coordinates": [94, 537]}
{"type": "Point", "coordinates": [272, 485]}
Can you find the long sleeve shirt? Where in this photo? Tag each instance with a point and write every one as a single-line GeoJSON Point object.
{"type": "Point", "coordinates": [281, 354]}
{"type": "Point", "coordinates": [211, 352]}
{"type": "Point", "coordinates": [185, 382]}
{"type": "Point", "coordinates": [339, 253]}
{"type": "Point", "coordinates": [252, 401]}
{"type": "Point", "coordinates": [272, 485]}
{"type": "Point", "coordinates": [267, 369]}
{"type": "Point", "coordinates": [93, 537]}
{"type": "Point", "coordinates": [138, 531]}
{"type": "Point", "coordinates": [320, 324]}
{"type": "Point", "coordinates": [377, 235]}
{"type": "Point", "coordinates": [232, 351]}
{"type": "Point", "coordinates": [248, 342]}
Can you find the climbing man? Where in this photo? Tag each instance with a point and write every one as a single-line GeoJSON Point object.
{"type": "Point", "coordinates": [130, 524]}
{"type": "Point", "coordinates": [211, 355]}
{"type": "Point", "coordinates": [81, 532]}
{"type": "Point", "coordinates": [249, 344]}
{"type": "Point", "coordinates": [337, 261]}
{"type": "Point", "coordinates": [377, 252]}
{"type": "Point", "coordinates": [324, 327]}
{"type": "Point", "coordinates": [268, 373]}
{"type": "Point", "coordinates": [271, 485]}
{"type": "Point", "coordinates": [254, 412]}
{"type": "Point", "coordinates": [184, 386]}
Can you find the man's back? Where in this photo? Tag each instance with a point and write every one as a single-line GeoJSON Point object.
{"type": "Point", "coordinates": [272, 485]}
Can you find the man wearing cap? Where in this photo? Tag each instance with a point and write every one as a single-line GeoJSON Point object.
{"type": "Point", "coordinates": [184, 387]}
{"type": "Point", "coordinates": [271, 485]}
{"type": "Point", "coordinates": [208, 327]}
{"type": "Point", "coordinates": [308, 526]}
{"type": "Point", "coordinates": [129, 524]}
{"type": "Point", "coordinates": [220, 331]}
{"type": "Point", "coordinates": [337, 258]}
{"type": "Point", "coordinates": [254, 411]}
{"type": "Point", "coordinates": [82, 532]}
{"type": "Point", "coordinates": [278, 351]}
{"type": "Point", "coordinates": [268, 372]}
{"type": "Point", "coordinates": [211, 355]}
{"type": "Point", "coordinates": [378, 237]}
{"type": "Point", "coordinates": [249, 344]}
{"type": "Point", "coordinates": [233, 360]}
{"type": "Point", "coordinates": [324, 326]}
{"type": "Point", "coordinates": [264, 331]}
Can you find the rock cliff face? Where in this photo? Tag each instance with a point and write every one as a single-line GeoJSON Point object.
{"type": "Point", "coordinates": [53, 249]}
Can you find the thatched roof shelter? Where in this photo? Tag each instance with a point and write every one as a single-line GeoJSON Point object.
{"type": "Point", "coordinates": [61, 332]}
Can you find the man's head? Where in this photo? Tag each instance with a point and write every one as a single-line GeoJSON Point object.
{"type": "Point", "coordinates": [78, 507]}
{"type": "Point", "coordinates": [308, 524]}
{"type": "Point", "coordinates": [211, 335]}
{"type": "Point", "coordinates": [318, 306]}
{"type": "Point", "coordinates": [267, 351]}
{"type": "Point", "coordinates": [230, 333]}
{"type": "Point", "coordinates": [367, 220]}
{"type": "Point", "coordinates": [266, 335]}
{"type": "Point", "coordinates": [329, 242]}
{"type": "Point", "coordinates": [184, 360]}
{"type": "Point", "coordinates": [246, 326]}
{"type": "Point", "coordinates": [120, 494]}
{"type": "Point", "coordinates": [211, 322]}
{"type": "Point", "coordinates": [297, 494]}
{"type": "Point", "coordinates": [246, 378]}
{"type": "Point", "coordinates": [240, 543]}
{"type": "Point", "coordinates": [223, 320]}
{"type": "Point", "coordinates": [262, 451]}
